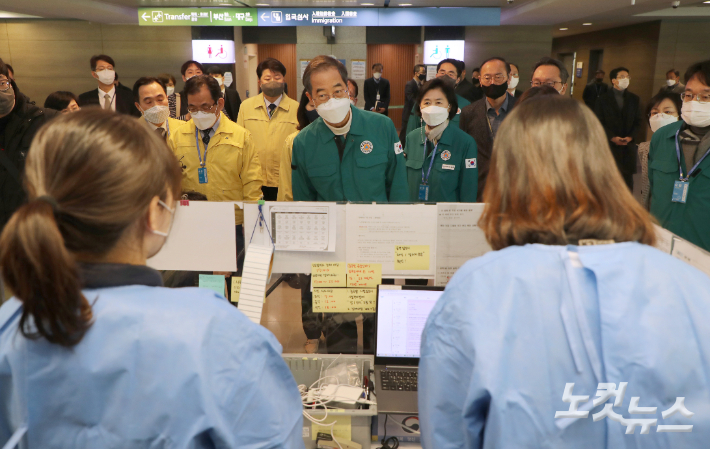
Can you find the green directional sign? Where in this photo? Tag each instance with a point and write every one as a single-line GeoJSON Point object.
{"type": "Point", "coordinates": [197, 17]}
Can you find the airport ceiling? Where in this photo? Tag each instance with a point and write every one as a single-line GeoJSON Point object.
{"type": "Point", "coordinates": [577, 16]}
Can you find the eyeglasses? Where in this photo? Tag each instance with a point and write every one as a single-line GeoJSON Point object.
{"type": "Point", "coordinates": [499, 78]}
{"type": "Point", "coordinates": [4, 85]}
{"type": "Point", "coordinates": [546, 83]}
{"type": "Point", "coordinates": [193, 109]}
{"type": "Point", "coordinates": [701, 98]}
{"type": "Point", "coordinates": [340, 93]}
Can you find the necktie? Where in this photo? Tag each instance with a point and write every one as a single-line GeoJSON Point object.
{"type": "Point", "coordinates": [272, 107]}
{"type": "Point", "coordinates": [107, 102]}
{"type": "Point", "coordinates": [341, 146]}
{"type": "Point", "coordinates": [206, 138]}
{"type": "Point", "coordinates": [161, 132]}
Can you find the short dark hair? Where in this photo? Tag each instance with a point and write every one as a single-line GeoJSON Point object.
{"type": "Point", "coordinates": [675, 72]}
{"type": "Point", "coordinates": [187, 65]}
{"type": "Point", "coordinates": [446, 88]}
{"type": "Point", "coordinates": [10, 69]}
{"type": "Point", "coordinates": [166, 78]}
{"type": "Point", "coordinates": [377, 64]}
{"type": "Point", "coordinates": [701, 70]}
{"type": "Point", "coordinates": [357, 89]}
{"type": "Point", "coordinates": [476, 69]}
{"type": "Point", "coordinates": [663, 95]}
{"type": "Point", "coordinates": [195, 84]}
{"type": "Point", "coordinates": [454, 62]}
{"type": "Point", "coordinates": [144, 81]}
{"type": "Point", "coordinates": [517, 67]}
{"type": "Point", "coordinates": [115, 76]}
{"type": "Point", "coordinates": [614, 73]}
{"type": "Point", "coordinates": [59, 100]}
{"type": "Point", "coordinates": [320, 63]}
{"type": "Point", "coordinates": [215, 70]}
{"type": "Point", "coordinates": [301, 111]}
{"type": "Point", "coordinates": [3, 69]}
{"type": "Point", "coordinates": [600, 71]}
{"type": "Point", "coordinates": [538, 92]}
{"type": "Point", "coordinates": [417, 67]}
{"type": "Point", "coordinates": [497, 58]}
{"type": "Point", "coordinates": [564, 74]}
{"type": "Point", "coordinates": [274, 65]}
{"type": "Point", "coordinates": [96, 58]}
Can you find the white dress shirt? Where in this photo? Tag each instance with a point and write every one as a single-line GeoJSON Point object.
{"type": "Point", "coordinates": [277, 102]}
{"type": "Point", "coordinates": [111, 95]}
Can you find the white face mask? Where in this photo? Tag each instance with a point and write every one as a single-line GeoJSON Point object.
{"type": "Point", "coordinates": [334, 110]}
{"type": "Point", "coordinates": [106, 76]}
{"type": "Point", "coordinates": [377, 75]}
{"type": "Point", "coordinates": [157, 114]}
{"type": "Point", "coordinates": [670, 83]}
{"type": "Point", "coordinates": [624, 83]}
{"type": "Point", "coordinates": [172, 212]}
{"type": "Point", "coordinates": [435, 115]}
{"type": "Point", "coordinates": [220, 81]}
{"type": "Point", "coordinates": [513, 82]}
{"type": "Point", "coordinates": [204, 120]}
{"type": "Point", "coordinates": [696, 114]}
{"type": "Point", "coordinates": [170, 90]}
{"type": "Point", "coordinates": [658, 121]}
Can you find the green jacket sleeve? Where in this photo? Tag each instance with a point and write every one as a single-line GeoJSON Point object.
{"type": "Point", "coordinates": [396, 183]}
{"type": "Point", "coordinates": [469, 173]}
{"type": "Point", "coordinates": [414, 122]}
{"type": "Point", "coordinates": [303, 190]}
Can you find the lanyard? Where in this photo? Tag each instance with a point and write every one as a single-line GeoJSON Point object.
{"type": "Point", "coordinates": [167, 127]}
{"type": "Point", "coordinates": [680, 166]}
{"type": "Point", "coordinates": [431, 163]}
{"type": "Point", "coordinates": [197, 143]}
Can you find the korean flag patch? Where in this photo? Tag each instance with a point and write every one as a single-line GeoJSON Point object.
{"type": "Point", "coordinates": [398, 148]}
{"type": "Point", "coordinates": [471, 163]}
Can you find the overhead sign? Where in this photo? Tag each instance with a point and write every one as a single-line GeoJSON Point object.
{"type": "Point", "coordinates": [318, 16]}
{"type": "Point", "coordinates": [197, 16]}
{"type": "Point", "coordinates": [213, 51]}
{"type": "Point", "coordinates": [435, 51]}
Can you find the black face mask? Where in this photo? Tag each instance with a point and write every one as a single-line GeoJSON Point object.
{"type": "Point", "coordinates": [312, 116]}
{"type": "Point", "coordinates": [598, 80]}
{"type": "Point", "coordinates": [422, 77]}
{"type": "Point", "coordinates": [476, 81]}
{"type": "Point", "coordinates": [495, 90]}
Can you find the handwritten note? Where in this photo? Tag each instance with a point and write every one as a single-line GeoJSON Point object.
{"type": "Point", "coordinates": [328, 274]}
{"type": "Point", "coordinates": [236, 287]}
{"type": "Point", "coordinates": [364, 274]}
{"type": "Point", "coordinates": [341, 430]}
{"type": "Point", "coordinates": [411, 257]}
{"type": "Point", "coordinates": [214, 282]}
{"type": "Point", "coordinates": [344, 300]}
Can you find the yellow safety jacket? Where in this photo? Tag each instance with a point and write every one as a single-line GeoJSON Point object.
{"type": "Point", "coordinates": [173, 125]}
{"type": "Point", "coordinates": [233, 169]}
{"type": "Point", "coordinates": [285, 186]}
{"type": "Point", "coordinates": [269, 134]}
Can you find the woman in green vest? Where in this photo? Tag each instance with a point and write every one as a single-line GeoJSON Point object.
{"type": "Point", "coordinates": [441, 159]}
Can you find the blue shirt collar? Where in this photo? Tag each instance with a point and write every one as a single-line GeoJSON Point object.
{"type": "Point", "coordinates": [503, 108]}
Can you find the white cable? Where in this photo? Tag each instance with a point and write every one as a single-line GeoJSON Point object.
{"type": "Point", "coordinates": [415, 432]}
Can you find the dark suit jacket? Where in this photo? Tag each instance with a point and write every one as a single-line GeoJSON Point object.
{"type": "Point", "coordinates": [620, 123]}
{"type": "Point", "coordinates": [470, 92]}
{"type": "Point", "coordinates": [473, 121]}
{"type": "Point", "coordinates": [592, 92]}
{"type": "Point", "coordinates": [124, 100]}
{"type": "Point", "coordinates": [232, 103]}
{"type": "Point", "coordinates": [411, 91]}
{"type": "Point", "coordinates": [371, 89]}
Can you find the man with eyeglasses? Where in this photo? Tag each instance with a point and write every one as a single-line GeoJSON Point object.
{"type": "Point", "coordinates": [108, 95]}
{"type": "Point", "coordinates": [347, 154]}
{"type": "Point", "coordinates": [550, 72]}
{"type": "Point", "coordinates": [19, 121]}
{"type": "Point", "coordinates": [217, 156]}
{"type": "Point", "coordinates": [679, 163]}
{"type": "Point", "coordinates": [619, 112]}
{"type": "Point", "coordinates": [482, 118]}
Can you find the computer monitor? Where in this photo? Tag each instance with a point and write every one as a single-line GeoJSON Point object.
{"type": "Point", "coordinates": [401, 315]}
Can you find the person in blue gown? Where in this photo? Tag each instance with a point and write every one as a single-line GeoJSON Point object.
{"type": "Point", "coordinates": [94, 352]}
{"type": "Point", "coordinates": [573, 302]}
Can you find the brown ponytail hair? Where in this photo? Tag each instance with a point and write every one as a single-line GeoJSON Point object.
{"type": "Point", "coordinates": [90, 177]}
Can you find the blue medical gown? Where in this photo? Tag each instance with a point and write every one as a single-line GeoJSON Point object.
{"type": "Point", "coordinates": [159, 368]}
{"type": "Point", "coordinates": [516, 325]}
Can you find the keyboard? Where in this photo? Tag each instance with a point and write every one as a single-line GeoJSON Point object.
{"type": "Point", "coordinates": [399, 380]}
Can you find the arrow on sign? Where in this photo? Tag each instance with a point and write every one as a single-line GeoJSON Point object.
{"type": "Point", "coordinates": [145, 17]}
{"type": "Point", "coordinates": [264, 18]}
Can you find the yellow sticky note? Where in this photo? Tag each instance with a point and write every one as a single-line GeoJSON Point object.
{"type": "Point", "coordinates": [344, 300]}
{"type": "Point", "coordinates": [364, 274]}
{"type": "Point", "coordinates": [411, 257]}
{"type": "Point", "coordinates": [342, 428]}
{"type": "Point", "coordinates": [328, 274]}
{"type": "Point", "coordinates": [236, 288]}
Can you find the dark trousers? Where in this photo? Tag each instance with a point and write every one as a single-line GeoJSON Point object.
{"type": "Point", "coordinates": [270, 193]}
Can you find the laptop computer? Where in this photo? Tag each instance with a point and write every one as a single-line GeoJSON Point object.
{"type": "Point", "coordinates": [402, 311]}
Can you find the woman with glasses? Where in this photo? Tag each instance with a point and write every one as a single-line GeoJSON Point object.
{"type": "Point", "coordinates": [679, 163]}
{"type": "Point", "coordinates": [662, 110]}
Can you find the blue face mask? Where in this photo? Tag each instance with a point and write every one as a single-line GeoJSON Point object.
{"type": "Point", "coordinates": [312, 116]}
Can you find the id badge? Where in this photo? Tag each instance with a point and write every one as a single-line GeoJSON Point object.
{"type": "Point", "coordinates": [680, 192]}
{"type": "Point", "coordinates": [378, 97]}
{"type": "Point", "coordinates": [423, 192]}
{"type": "Point", "coordinates": [202, 175]}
